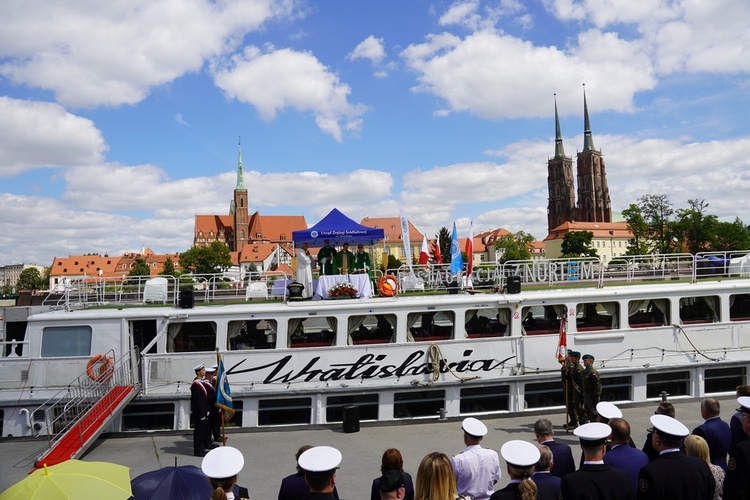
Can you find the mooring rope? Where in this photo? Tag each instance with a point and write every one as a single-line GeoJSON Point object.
{"type": "Point", "coordinates": [435, 357]}
{"type": "Point", "coordinates": [691, 343]}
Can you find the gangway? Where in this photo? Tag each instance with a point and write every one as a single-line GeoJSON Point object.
{"type": "Point", "coordinates": [77, 415]}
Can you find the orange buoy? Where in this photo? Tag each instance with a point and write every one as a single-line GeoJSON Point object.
{"type": "Point", "coordinates": [388, 286]}
{"type": "Point", "coordinates": [100, 368]}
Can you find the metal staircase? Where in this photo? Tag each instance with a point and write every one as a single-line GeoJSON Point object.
{"type": "Point", "coordinates": [78, 414]}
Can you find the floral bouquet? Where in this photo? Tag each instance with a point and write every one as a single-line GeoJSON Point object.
{"type": "Point", "coordinates": [342, 290]}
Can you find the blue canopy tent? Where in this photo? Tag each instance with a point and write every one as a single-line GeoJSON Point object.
{"type": "Point", "coordinates": [339, 229]}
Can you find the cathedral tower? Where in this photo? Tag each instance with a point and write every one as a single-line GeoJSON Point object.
{"type": "Point", "coordinates": [239, 208]}
{"type": "Point", "coordinates": [593, 194]}
{"type": "Point", "coordinates": [560, 184]}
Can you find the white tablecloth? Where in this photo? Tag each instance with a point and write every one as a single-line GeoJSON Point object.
{"type": "Point", "coordinates": [359, 281]}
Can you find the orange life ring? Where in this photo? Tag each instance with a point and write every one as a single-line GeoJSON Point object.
{"type": "Point", "coordinates": [388, 286]}
{"type": "Point", "coordinates": [100, 368]}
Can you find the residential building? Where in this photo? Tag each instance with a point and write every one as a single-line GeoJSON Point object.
{"type": "Point", "coordinates": [610, 238]}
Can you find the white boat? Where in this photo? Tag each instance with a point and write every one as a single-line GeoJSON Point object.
{"type": "Point", "coordinates": [404, 357]}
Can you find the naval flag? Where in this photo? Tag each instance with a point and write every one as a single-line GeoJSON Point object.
{"type": "Point", "coordinates": [223, 393]}
{"type": "Point", "coordinates": [457, 263]}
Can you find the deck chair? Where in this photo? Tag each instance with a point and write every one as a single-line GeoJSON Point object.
{"type": "Point", "coordinates": [256, 289]}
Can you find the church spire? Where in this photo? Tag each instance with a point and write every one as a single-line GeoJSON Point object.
{"type": "Point", "coordinates": [240, 176]}
{"type": "Point", "coordinates": [588, 141]}
{"type": "Point", "coordinates": [559, 151]}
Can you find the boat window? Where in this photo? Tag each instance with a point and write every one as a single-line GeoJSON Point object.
{"type": "Point", "coordinates": [317, 331]}
{"type": "Point", "coordinates": [251, 334]}
{"type": "Point", "coordinates": [699, 310]}
{"type": "Point", "coordinates": [672, 383]}
{"type": "Point", "coordinates": [617, 388]}
{"type": "Point", "coordinates": [284, 411]}
{"type": "Point", "coordinates": [739, 307]}
{"type": "Point", "coordinates": [485, 399]}
{"type": "Point", "coordinates": [490, 322]}
{"type": "Point", "coordinates": [191, 336]}
{"type": "Point", "coordinates": [367, 404]}
{"type": "Point", "coordinates": [63, 341]}
{"type": "Point", "coordinates": [148, 416]}
{"type": "Point", "coordinates": [143, 332]}
{"type": "Point", "coordinates": [540, 320]}
{"type": "Point", "coordinates": [648, 313]}
{"type": "Point", "coordinates": [418, 403]}
{"type": "Point", "coordinates": [596, 316]}
{"type": "Point", "coordinates": [724, 379]}
{"type": "Point", "coordinates": [372, 329]}
{"type": "Point", "coordinates": [430, 326]}
{"type": "Point", "coordinates": [543, 395]}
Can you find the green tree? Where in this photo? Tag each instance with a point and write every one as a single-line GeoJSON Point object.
{"type": "Point", "coordinates": [578, 244]}
{"type": "Point", "coordinates": [140, 268]}
{"type": "Point", "coordinates": [29, 279]}
{"type": "Point", "coordinates": [514, 247]}
{"type": "Point", "coordinates": [444, 237]}
{"type": "Point", "coordinates": [169, 269]}
{"type": "Point", "coordinates": [696, 227]}
{"type": "Point", "coordinates": [207, 260]}
{"type": "Point", "coordinates": [731, 236]}
{"type": "Point", "coordinates": [637, 225]}
{"type": "Point", "coordinates": [657, 210]}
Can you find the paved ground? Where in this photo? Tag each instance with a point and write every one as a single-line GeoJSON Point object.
{"type": "Point", "coordinates": [269, 453]}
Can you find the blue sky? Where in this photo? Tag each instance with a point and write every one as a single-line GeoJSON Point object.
{"type": "Point", "coordinates": [119, 120]}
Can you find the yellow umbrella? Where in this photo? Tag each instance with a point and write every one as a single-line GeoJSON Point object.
{"type": "Point", "coordinates": [73, 479]}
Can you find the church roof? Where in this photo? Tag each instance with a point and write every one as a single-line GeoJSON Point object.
{"type": "Point", "coordinates": [212, 223]}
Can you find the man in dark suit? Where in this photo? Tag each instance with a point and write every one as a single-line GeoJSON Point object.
{"type": "Point", "coordinates": [622, 455]}
{"type": "Point", "coordinates": [715, 431]}
{"type": "Point", "coordinates": [595, 479]}
{"type": "Point", "coordinates": [563, 462]}
{"type": "Point", "coordinates": [542, 474]}
{"type": "Point", "coordinates": [737, 480]}
{"type": "Point", "coordinates": [673, 474]}
{"type": "Point", "coordinates": [294, 487]}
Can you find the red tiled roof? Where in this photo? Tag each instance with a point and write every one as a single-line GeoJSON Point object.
{"type": "Point", "coordinates": [600, 229]}
{"type": "Point", "coordinates": [110, 266]}
{"type": "Point", "coordinates": [392, 228]}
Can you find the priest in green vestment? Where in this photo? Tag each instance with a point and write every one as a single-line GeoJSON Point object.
{"type": "Point", "coordinates": [343, 261]}
{"type": "Point", "coordinates": [325, 258]}
{"type": "Point", "coordinates": [362, 263]}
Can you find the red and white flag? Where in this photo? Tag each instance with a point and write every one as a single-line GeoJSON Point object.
{"type": "Point", "coordinates": [470, 251]}
{"type": "Point", "coordinates": [438, 255]}
{"type": "Point", "coordinates": [562, 343]}
{"type": "Point", "coordinates": [424, 252]}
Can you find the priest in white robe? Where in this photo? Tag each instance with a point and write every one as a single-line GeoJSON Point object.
{"type": "Point", "coordinates": [304, 271]}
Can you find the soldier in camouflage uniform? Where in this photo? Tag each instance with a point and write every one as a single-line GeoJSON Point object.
{"type": "Point", "coordinates": [572, 378]}
{"type": "Point", "coordinates": [592, 387]}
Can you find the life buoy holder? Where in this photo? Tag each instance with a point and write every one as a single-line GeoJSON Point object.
{"type": "Point", "coordinates": [388, 286]}
{"type": "Point", "coordinates": [100, 368]}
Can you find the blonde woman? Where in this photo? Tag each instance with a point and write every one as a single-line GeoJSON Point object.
{"type": "Point", "coordinates": [435, 479]}
{"type": "Point", "coordinates": [696, 446]}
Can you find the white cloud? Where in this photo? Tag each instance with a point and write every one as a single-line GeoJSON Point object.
{"type": "Point", "coordinates": [178, 118]}
{"type": "Point", "coordinates": [462, 13]}
{"type": "Point", "coordinates": [38, 134]}
{"type": "Point", "coordinates": [93, 53]}
{"type": "Point", "coordinates": [370, 48]}
{"type": "Point", "coordinates": [285, 78]}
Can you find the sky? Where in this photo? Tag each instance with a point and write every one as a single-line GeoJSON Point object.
{"type": "Point", "coordinates": [120, 120]}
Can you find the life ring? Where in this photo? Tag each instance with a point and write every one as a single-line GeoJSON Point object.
{"type": "Point", "coordinates": [388, 286]}
{"type": "Point", "coordinates": [100, 368]}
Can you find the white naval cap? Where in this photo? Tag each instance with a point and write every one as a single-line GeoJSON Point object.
{"type": "Point", "coordinates": [593, 434]}
{"type": "Point", "coordinates": [744, 402]}
{"type": "Point", "coordinates": [320, 459]}
{"type": "Point", "coordinates": [199, 367]}
{"type": "Point", "coordinates": [669, 427]}
{"type": "Point", "coordinates": [222, 462]}
{"type": "Point", "coordinates": [608, 410]}
{"type": "Point", "coordinates": [474, 427]}
{"type": "Point", "coordinates": [520, 453]}
{"type": "Point", "coordinates": [210, 370]}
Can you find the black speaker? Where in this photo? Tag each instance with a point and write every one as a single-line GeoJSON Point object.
{"type": "Point", "coordinates": [351, 418]}
{"type": "Point", "coordinates": [187, 299]}
{"type": "Point", "coordinates": [514, 284]}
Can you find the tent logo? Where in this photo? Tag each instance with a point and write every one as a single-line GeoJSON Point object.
{"type": "Point", "coordinates": [313, 234]}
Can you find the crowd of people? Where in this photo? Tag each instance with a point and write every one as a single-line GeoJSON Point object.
{"type": "Point", "coordinates": [673, 463]}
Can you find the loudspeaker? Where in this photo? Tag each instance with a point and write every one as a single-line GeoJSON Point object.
{"type": "Point", "coordinates": [187, 299]}
{"type": "Point", "coordinates": [351, 418]}
{"type": "Point", "coordinates": [514, 284]}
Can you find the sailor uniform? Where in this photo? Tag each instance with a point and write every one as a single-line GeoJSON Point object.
{"type": "Point", "coordinates": [510, 492]}
{"type": "Point", "coordinates": [199, 410]}
{"type": "Point", "coordinates": [595, 481]}
{"type": "Point", "coordinates": [294, 487]}
{"type": "Point", "coordinates": [476, 469]}
{"type": "Point", "coordinates": [737, 480]}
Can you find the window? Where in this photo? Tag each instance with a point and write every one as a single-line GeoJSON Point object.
{"type": "Point", "coordinates": [251, 334]}
{"type": "Point", "coordinates": [673, 383]}
{"type": "Point", "coordinates": [430, 326]}
{"type": "Point", "coordinates": [143, 333]}
{"type": "Point", "coordinates": [371, 329]}
{"type": "Point", "coordinates": [284, 411]}
{"type": "Point", "coordinates": [491, 322]}
{"type": "Point", "coordinates": [699, 310]}
{"type": "Point", "coordinates": [739, 307]}
{"type": "Point", "coordinates": [191, 337]}
{"type": "Point", "coordinates": [485, 399]}
{"type": "Point", "coordinates": [648, 313]}
{"type": "Point", "coordinates": [596, 316]}
{"type": "Point", "coordinates": [543, 395]}
{"type": "Point", "coordinates": [63, 341]}
{"type": "Point", "coordinates": [539, 320]}
{"type": "Point", "coordinates": [312, 331]}
{"type": "Point", "coordinates": [418, 403]}
{"type": "Point", "coordinates": [616, 388]}
{"type": "Point", "coordinates": [724, 379]}
{"type": "Point", "coordinates": [148, 417]}
{"type": "Point", "coordinates": [367, 404]}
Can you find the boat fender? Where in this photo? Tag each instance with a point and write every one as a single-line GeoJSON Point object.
{"type": "Point", "coordinates": [388, 286]}
{"type": "Point", "coordinates": [100, 368]}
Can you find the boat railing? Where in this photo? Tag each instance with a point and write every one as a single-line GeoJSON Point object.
{"type": "Point", "coordinates": [66, 408]}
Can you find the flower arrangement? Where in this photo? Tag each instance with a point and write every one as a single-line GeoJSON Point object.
{"type": "Point", "coordinates": [342, 290]}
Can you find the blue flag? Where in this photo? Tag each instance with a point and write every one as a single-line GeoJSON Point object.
{"type": "Point", "coordinates": [457, 263]}
{"type": "Point", "coordinates": [223, 393]}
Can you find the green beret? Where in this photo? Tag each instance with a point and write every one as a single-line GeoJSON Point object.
{"type": "Point", "coordinates": [588, 356]}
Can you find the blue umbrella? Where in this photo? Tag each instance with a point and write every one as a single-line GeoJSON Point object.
{"type": "Point", "coordinates": [186, 482]}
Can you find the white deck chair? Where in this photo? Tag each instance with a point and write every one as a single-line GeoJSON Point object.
{"type": "Point", "coordinates": [256, 289]}
{"type": "Point", "coordinates": [156, 290]}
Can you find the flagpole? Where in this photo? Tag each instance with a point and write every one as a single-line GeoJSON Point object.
{"type": "Point", "coordinates": [218, 388]}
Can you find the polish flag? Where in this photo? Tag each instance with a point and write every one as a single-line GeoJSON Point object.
{"type": "Point", "coordinates": [438, 255]}
{"type": "Point", "coordinates": [562, 343]}
{"type": "Point", "coordinates": [424, 253]}
{"type": "Point", "coordinates": [470, 251]}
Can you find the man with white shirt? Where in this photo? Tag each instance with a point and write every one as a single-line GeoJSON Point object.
{"type": "Point", "coordinates": [476, 469]}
